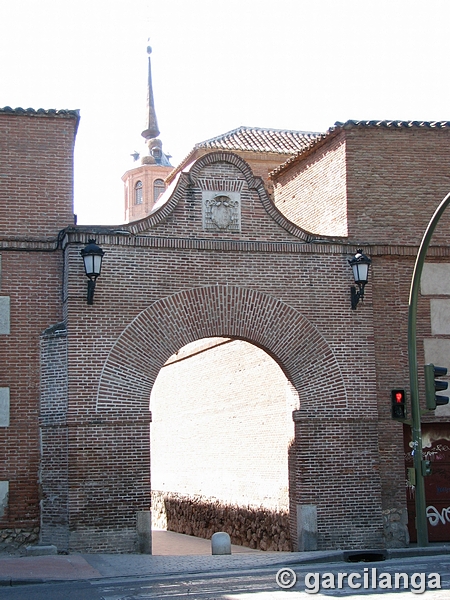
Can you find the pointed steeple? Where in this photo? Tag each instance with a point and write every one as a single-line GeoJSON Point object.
{"type": "Point", "coordinates": [152, 130]}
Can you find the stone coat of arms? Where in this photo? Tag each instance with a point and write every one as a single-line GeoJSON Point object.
{"type": "Point", "coordinates": [222, 211]}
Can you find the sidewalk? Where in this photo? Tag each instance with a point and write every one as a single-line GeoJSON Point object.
{"type": "Point", "coordinates": [174, 554]}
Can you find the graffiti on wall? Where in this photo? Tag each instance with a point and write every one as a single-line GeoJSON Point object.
{"type": "Point", "coordinates": [436, 449]}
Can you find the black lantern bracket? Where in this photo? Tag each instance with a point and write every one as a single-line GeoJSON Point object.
{"type": "Point", "coordinates": [92, 259]}
{"type": "Point", "coordinates": [360, 264]}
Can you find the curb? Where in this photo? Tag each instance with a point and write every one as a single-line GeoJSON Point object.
{"type": "Point", "coordinates": [293, 559]}
{"type": "Point", "coordinates": [11, 581]}
{"type": "Point", "coordinates": [426, 551]}
{"type": "Point", "coordinates": [366, 555]}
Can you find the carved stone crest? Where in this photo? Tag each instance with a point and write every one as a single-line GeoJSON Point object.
{"type": "Point", "coordinates": [221, 211]}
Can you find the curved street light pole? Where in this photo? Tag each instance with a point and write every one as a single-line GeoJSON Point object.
{"type": "Point", "coordinates": [421, 518]}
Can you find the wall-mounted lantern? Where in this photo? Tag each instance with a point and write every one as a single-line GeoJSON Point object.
{"type": "Point", "coordinates": [92, 257]}
{"type": "Point", "coordinates": [360, 265]}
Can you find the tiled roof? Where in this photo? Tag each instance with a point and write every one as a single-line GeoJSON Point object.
{"type": "Point", "coordinates": [40, 111]}
{"type": "Point", "coordinates": [338, 126]}
{"type": "Point", "coordinates": [392, 124]}
{"type": "Point", "coordinates": [257, 139]}
{"type": "Point", "coordinates": [51, 112]}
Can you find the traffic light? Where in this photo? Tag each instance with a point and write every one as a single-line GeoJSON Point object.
{"type": "Point", "coordinates": [426, 468]}
{"type": "Point", "coordinates": [432, 386]}
{"type": "Point", "coordinates": [398, 404]}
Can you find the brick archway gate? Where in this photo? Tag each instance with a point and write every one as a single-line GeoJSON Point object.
{"type": "Point", "coordinates": [159, 331]}
{"type": "Point", "coordinates": [108, 446]}
{"type": "Point", "coordinates": [171, 279]}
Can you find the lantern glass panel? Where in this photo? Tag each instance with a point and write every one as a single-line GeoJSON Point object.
{"type": "Point", "coordinates": [88, 264]}
{"type": "Point", "coordinates": [97, 264]}
{"type": "Point", "coordinates": [92, 264]}
{"type": "Point", "coordinates": [362, 272]}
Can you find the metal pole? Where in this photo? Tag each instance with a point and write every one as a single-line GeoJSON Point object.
{"type": "Point", "coordinates": [421, 517]}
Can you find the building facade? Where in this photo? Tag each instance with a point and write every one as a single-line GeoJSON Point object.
{"type": "Point", "coordinates": [223, 254]}
{"type": "Point", "coordinates": [36, 158]}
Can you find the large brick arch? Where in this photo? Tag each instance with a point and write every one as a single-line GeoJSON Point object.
{"type": "Point", "coordinates": [226, 311]}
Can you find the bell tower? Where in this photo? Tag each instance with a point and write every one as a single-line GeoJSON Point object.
{"type": "Point", "coordinates": [145, 183]}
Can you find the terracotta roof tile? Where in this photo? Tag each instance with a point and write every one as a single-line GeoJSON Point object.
{"type": "Point", "coordinates": [318, 139]}
{"type": "Point", "coordinates": [392, 124]}
{"type": "Point", "coordinates": [51, 112]}
{"type": "Point", "coordinates": [257, 139]}
{"type": "Point", "coordinates": [39, 111]}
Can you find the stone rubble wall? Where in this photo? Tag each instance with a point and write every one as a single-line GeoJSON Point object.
{"type": "Point", "coordinates": [254, 527]}
{"type": "Point", "coordinates": [396, 527]}
{"type": "Point", "coordinates": [14, 540]}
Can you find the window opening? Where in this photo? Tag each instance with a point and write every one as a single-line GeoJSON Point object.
{"type": "Point", "coordinates": [158, 189]}
{"type": "Point", "coordinates": [138, 193]}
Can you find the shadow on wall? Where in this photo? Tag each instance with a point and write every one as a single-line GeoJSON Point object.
{"type": "Point", "coordinates": [200, 516]}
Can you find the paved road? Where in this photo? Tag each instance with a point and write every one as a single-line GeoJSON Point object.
{"type": "Point", "coordinates": [260, 584]}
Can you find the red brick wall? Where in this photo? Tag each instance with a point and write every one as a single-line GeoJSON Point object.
{"type": "Point", "coordinates": [395, 181]}
{"type": "Point", "coordinates": [261, 163]}
{"type": "Point", "coordinates": [32, 280]}
{"type": "Point", "coordinates": [36, 155]}
{"type": "Point", "coordinates": [380, 185]}
{"type": "Point", "coordinates": [36, 202]}
{"type": "Point", "coordinates": [309, 341]}
{"type": "Point", "coordinates": [161, 291]}
{"type": "Point", "coordinates": [391, 277]}
{"type": "Point", "coordinates": [54, 463]}
{"type": "Point", "coordinates": [313, 193]}
{"type": "Point", "coordinates": [167, 282]}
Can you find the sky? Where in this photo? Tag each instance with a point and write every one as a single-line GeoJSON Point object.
{"type": "Point", "coordinates": [216, 65]}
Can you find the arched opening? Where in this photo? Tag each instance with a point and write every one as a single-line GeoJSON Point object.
{"type": "Point", "coordinates": [159, 188]}
{"type": "Point", "coordinates": [138, 189]}
{"type": "Point", "coordinates": [155, 334]}
{"type": "Point", "coordinates": [221, 428]}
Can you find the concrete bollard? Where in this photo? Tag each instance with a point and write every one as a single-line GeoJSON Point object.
{"type": "Point", "coordinates": [144, 531]}
{"type": "Point", "coordinates": [220, 543]}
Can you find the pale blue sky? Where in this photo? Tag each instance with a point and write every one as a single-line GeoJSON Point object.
{"type": "Point", "coordinates": [217, 64]}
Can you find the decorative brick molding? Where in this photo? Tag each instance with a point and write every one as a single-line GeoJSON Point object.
{"type": "Point", "coordinates": [194, 177]}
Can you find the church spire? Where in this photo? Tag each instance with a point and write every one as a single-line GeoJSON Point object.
{"type": "Point", "coordinates": [152, 130]}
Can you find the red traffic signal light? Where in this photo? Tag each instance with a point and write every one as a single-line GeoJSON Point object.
{"type": "Point", "coordinates": [398, 404]}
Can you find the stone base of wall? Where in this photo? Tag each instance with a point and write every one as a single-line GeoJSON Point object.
{"type": "Point", "coordinates": [13, 541]}
{"type": "Point", "coordinates": [258, 528]}
{"type": "Point", "coordinates": [395, 521]}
